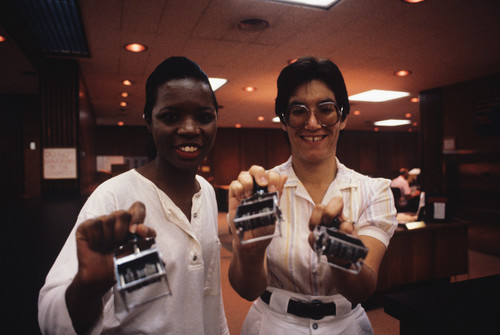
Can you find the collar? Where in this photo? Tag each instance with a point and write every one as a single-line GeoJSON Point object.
{"type": "Point", "coordinates": [345, 177]}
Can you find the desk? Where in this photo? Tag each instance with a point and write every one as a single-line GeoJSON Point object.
{"type": "Point", "coordinates": [468, 307]}
{"type": "Point", "coordinates": [438, 251]}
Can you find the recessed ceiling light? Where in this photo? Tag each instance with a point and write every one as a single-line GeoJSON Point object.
{"type": "Point", "coordinates": [127, 82]}
{"type": "Point", "coordinates": [253, 24]}
{"type": "Point", "coordinates": [120, 123]}
{"type": "Point", "coordinates": [408, 115]}
{"type": "Point", "coordinates": [391, 123]}
{"type": "Point", "coordinates": [402, 73]}
{"type": "Point", "coordinates": [123, 104]}
{"type": "Point", "coordinates": [249, 89]}
{"type": "Point", "coordinates": [238, 125]}
{"type": "Point", "coordinates": [378, 95]}
{"type": "Point", "coordinates": [2, 39]}
{"type": "Point", "coordinates": [356, 112]}
{"type": "Point", "coordinates": [412, 1]}
{"type": "Point", "coordinates": [135, 47]}
{"type": "Point", "coordinates": [414, 99]}
{"type": "Point", "coordinates": [260, 118]}
{"type": "Point", "coordinates": [324, 4]}
{"type": "Point", "coordinates": [276, 119]}
{"type": "Point", "coordinates": [375, 129]}
{"type": "Point", "coordinates": [124, 94]}
{"type": "Point", "coordinates": [217, 83]}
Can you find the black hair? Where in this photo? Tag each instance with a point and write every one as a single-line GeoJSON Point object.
{"type": "Point", "coordinates": [170, 69]}
{"type": "Point", "coordinates": [304, 70]}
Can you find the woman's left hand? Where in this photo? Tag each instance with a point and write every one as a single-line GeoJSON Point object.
{"type": "Point", "coordinates": [325, 215]}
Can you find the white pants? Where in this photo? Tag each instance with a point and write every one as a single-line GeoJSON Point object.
{"type": "Point", "coordinates": [272, 319]}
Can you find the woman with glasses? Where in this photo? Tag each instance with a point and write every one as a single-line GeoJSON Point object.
{"type": "Point", "coordinates": [295, 290]}
{"type": "Point", "coordinates": [87, 290]}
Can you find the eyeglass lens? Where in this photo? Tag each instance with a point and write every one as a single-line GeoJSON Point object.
{"type": "Point", "coordinates": [326, 113]}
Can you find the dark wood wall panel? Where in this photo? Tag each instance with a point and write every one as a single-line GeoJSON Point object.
{"type": "Point", "coordinates": [87, 140]}
{"type": "Point", "coordinates": [234, 150]}
{"type": "Point", "coordinates": [431, 139]}
{"type": "Point", "coordinates": [226, 156]}
{"type": "Point", "coordinates": [379, 154]}
{"type": "Point", "coordinates": [121, 141]}
{"type": "Point", "coordinates": [11, 168]}
{"type": "Point", "coordinates": [253, 148]}
{"type": "Point", "coordinates": [278, 150]}
{"type": "Point", "coordinates": [60, 115]}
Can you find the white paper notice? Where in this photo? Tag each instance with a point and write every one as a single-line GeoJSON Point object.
{"type": "Point", "coordinates": [59, 163]}
{"type": "Point", "coordinates": [439, 210]}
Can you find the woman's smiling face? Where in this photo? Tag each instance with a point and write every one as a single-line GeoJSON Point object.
{"type": "Point", "coordinates": [183, 123]}
{"type": "Point", "coordinates": [313, 143]}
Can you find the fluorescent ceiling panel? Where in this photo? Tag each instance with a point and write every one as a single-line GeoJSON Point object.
{"type": "Point", "coordinates": [391, 123]}
{"type": "Point", "coordinates": [324, 4]}
{"type": "Point", "coordinates": [217, 83]}
{"type": "Point", "coordinates": [378, 96]}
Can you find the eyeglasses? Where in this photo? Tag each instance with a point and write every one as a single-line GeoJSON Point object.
{"type": "Point", "coordinates": [326, 113]}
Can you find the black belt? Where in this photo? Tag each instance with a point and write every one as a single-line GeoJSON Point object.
{"type": "Point", "coordinates": [315, 309]}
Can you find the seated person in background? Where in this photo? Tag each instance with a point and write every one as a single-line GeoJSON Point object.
{"type": "Point", "coordinates": [405, 202]}
{"type": "Point", "coordinates": [80, 294]}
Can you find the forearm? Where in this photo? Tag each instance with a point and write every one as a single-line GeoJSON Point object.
{"type": "Point", "coordinates": [359, 287]}
{"type": "Point", "coordinates": [248, 273]}
{"type": "Point", "coordinates": [356, 287]}
{"type": "Point", "coordinates": [84, 303]}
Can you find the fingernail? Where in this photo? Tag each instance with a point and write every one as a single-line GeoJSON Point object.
{"type": "Point", "coordinates": [132, 228]}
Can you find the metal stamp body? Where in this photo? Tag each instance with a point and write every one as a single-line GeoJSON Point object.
{"type": "Point", "coordinates": [258, 211]}
{"type": "Point", "coordinates": [140, 272]}
{"type": "Point", "coordinates": [330, 241]}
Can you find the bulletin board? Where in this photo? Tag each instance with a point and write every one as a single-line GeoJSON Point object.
{"type": "Point", "coordinates": [59, 163]}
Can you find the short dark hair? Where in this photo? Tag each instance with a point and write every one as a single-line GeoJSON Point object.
{"type": "Point", "coordinates": [304, 70]}
{"type": "Point", "coordinates": [170, 69]}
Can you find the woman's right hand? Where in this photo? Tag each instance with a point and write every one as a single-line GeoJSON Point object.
{"type": "Point", "coordinates": [247, 271]}
{"type": "Point", "coordinates": [242, 188]}
{"type": "Point", "coordinates": [97, 239]}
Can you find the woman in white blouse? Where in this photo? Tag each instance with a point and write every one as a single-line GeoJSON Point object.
{"type": "Point", "coordinates": [164, 198]}
{"type": "Point", "coordinates": [295, 292]}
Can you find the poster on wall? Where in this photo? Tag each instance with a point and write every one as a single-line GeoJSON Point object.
{"type": "Point", "coordinates": [59, 163]}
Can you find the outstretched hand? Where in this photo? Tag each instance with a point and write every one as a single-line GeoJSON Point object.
{"type": "Point", "coordinates": [324, 215]}
{"type": "Point", "coordinates": [242, 188]}
{"type": "Point", "coordinates": [98, 238]}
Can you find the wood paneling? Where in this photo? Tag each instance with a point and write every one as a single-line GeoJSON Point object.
{"type": "Point", "coordinates": [431, 139]}
{"type": "Point", "coordinates": [60, 114]}
{"type": "Point", "coordinates": [11, 168]}
{"type": "Point", "coordinates": [235, 150]}
{"type": "Point", "coordinates": [438, 251]}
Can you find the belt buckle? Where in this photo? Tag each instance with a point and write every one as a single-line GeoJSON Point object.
{"type": "Point", "coordinates": [315, 308]}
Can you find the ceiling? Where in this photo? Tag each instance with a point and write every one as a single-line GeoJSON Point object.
{"type": "Point", "coordinates": [441, 42]}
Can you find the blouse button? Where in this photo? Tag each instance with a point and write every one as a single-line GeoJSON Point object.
{"type": "Point", "coordinates": [195, 258]}
{"type": "Point", "coordinates": [195, 215]}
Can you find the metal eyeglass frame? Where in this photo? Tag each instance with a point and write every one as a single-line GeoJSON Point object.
{"type": "Point", "coordinates": [337, 108]}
